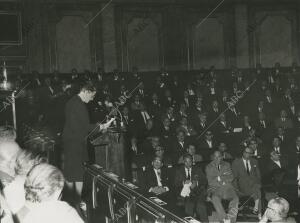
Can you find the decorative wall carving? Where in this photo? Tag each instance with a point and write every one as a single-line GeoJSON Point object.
{"type": "Point", "coordinates": [139, 31]}
{"type": "Point", "coordinates": [274, 36]}
{"type": "Point", "coordinates": [73, 44]}
{"type": "Point", "coordinates": [206, 40]}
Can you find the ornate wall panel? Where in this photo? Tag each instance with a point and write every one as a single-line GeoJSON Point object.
{"type": "Point", "coordinates": [143, 44]}
{"type": "Point", "coordinates": [73, 44]}
{"type": "Point", "coordinates": [208, 44]}
{"type": "Point", "coordinates": [139, 39]}
{"type": "Point", "coordinates": [275, 41]}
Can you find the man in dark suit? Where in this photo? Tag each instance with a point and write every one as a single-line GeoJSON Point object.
{"type": "Point", "coordinates": [214, 111]}
{"type": "Point", "coordinates": [154, 106]}
{"type": "Point", "coordinates": [140, 118]}
{"type": "Point", "coordinates": [258, 151]}
{"type": "Point", "coordinates": [275, 172]}
{"type": "Point", "coordinates": [263, 125]}
{"type": "Point", "coordinates": [294, 152]}
{"type": "Point", "coordinates": [156, 179]}
{"type": "Point", "coordinates": [165, 131]}
{"type": "Point", "coordinates": [223, 126]}
{"type": "Point", "coordinates": [220, 178]}
{"type": "Point", "coordinates": [178, 147]}
{"type": "Point", "coordinates": [190, 183]}
{"type": "Point", "coordinates": [283, 121]}
{"type": "Point", "coordinates": [201, 124]}
{"type": "Point", "coordinates": [284, 137]}
{"type": "Point", "coordinates": [76, 131]}
{"type": "Point", "coordinates": [276, 146]}
{"type": "Point", "coordinates": [207, 145]}
{"type": "Point", "coordinates": [247, 178]}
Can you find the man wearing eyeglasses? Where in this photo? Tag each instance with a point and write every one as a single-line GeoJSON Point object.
{"type": "Point", "coordinates": [247, 178]}
{"type": "Point", "coordinates": [277, 211]}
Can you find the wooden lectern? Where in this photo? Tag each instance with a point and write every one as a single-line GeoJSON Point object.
{"type": "Point", "coordinates": [109, 150]}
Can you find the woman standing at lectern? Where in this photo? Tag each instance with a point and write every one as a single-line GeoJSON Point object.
{"type": "Point", "coordinates": [77, 127]}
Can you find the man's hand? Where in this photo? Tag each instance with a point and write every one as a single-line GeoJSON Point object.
{"type": "Point", "coordinates": [187, 182]}
{"type": "Point", "coordinates": [156, 190]}
{"type": "Point", "coordinates": [107, 124]}
{"type": "Point", "coordinates": [133, 145]}
{"type": "Point", "coordinates": [194, 184]}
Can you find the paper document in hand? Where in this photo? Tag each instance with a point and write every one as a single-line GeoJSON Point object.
{"type": "Point", "coordinates": [186, 190]}
{"type": "Point", "coordinates": [237, 129]}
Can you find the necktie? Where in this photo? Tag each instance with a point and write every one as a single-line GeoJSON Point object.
{"type": "Point", "coordinates": [181, 143]}
{"type": "Point", "coordinates": [158, 173]}
{"type": "Point", "coordinates": [51, 89]}
{"type": "Point", "coordinates": [144, 117]}
{"type": "Point", "coordinates": [219, 167]}
{"type": "Point", "coordinates": [188, 174]}
{"type": "Point", "coordinates": [248, 167]}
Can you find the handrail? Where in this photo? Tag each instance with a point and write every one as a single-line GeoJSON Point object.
{"type": "Point", "coordinates": [99, 175]}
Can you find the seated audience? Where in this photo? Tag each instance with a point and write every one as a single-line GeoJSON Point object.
{"type": "Point", "coordinates": [156, 178]}
{"type": "Point", "coordinates": [276, 146]}
{"type": "Point", "coordinates": [283, 121]}
{"type": "Point", "coordinates": [191, 149]}
{"type": "Point", "coordinates": [159, 152]}
{"type": "Point", "coordinates": [207, 145]}
{"type": "Point", "coordinates": [188, 129]}
{"type": "Point", "coordinates": [178, 146]}
{"type": "Point", "coordinates": [190, 183]}
{"type": "Point", "coordinates": [258, 151]}
{"type": "Point", "coordinates": [275, 172]}
{"type": "Point", "coordinates": [247, 178]}
{"type": "Point", "coordinates": [220, 178]}
{"type": "Point", "coordinates": [223, 149]}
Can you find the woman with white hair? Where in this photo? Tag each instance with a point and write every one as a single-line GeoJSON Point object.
{"type": "Point", "coordinates": [43, 187]}
{"type": "Point", "coordinates": [277, 211]}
